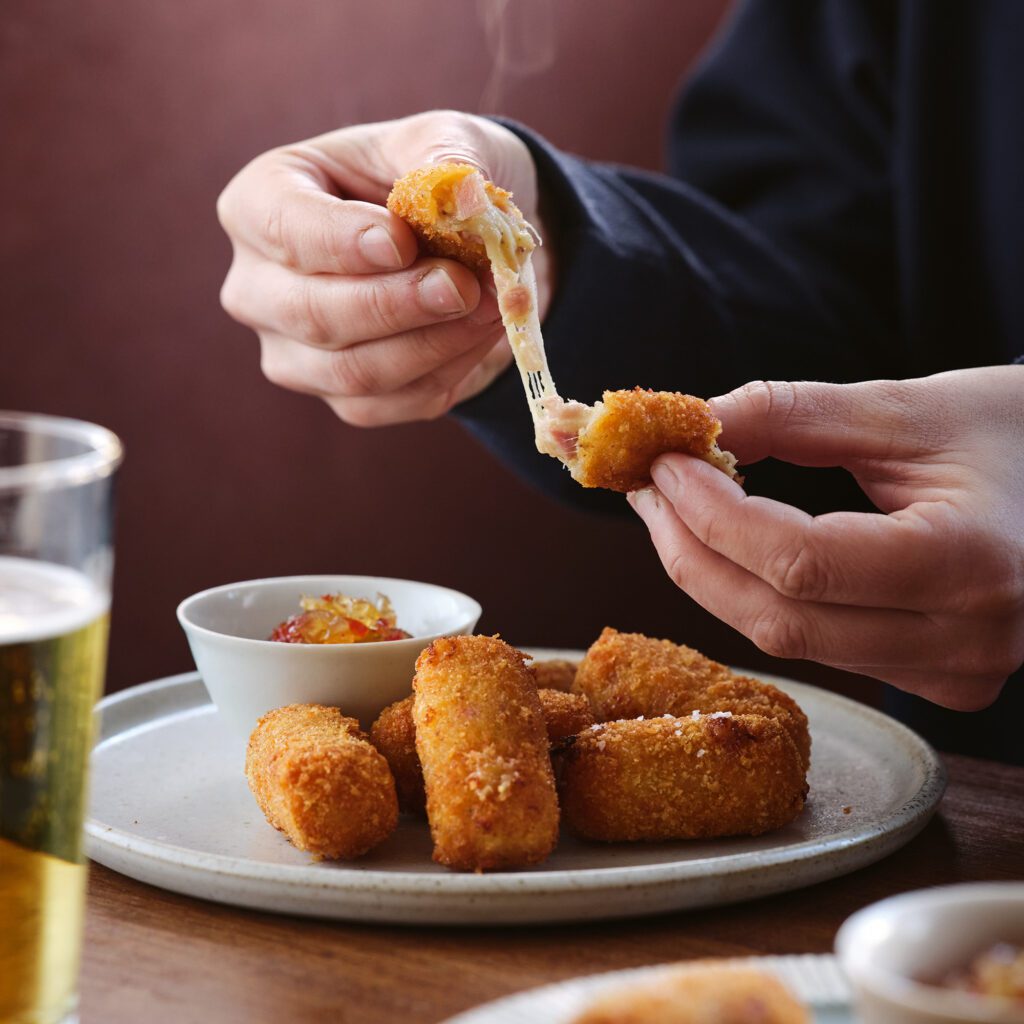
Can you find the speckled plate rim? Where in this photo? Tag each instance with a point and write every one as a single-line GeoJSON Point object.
{"type": "Point", "coordinates": [380, 895]}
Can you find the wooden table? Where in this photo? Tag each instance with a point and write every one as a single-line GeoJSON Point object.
{"type": "Point", "coordinates": [156, 957]}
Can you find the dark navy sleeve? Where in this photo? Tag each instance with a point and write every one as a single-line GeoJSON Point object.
{"type": "Point", "coordinates": [766, 253]}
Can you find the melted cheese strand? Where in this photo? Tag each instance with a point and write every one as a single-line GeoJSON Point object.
{"type": "Point", "coordinates": [516, 285]}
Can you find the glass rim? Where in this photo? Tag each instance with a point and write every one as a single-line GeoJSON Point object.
{"type": "Point", "coordinates": [103, 457]}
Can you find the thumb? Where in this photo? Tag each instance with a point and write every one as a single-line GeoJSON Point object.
{"type": "Point", "coordinates": [813, 424]}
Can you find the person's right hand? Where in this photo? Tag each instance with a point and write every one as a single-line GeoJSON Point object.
{"type": "Point", "coordinates": [333, 283]}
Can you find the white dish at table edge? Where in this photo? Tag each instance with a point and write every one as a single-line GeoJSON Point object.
{"type": "Point", "coordinates": [545, 894]}
{"type": "Point", "coordinates": [815, 979]}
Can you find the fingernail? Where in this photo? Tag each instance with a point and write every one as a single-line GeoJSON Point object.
{"type": "Point", "coordinates": [378, 247]}
{"type": "Point", "coordinates": [664, 477]}
{"type": "Point", "coordinates": [643, 500]}
{"type": "Point", "coordinates": [487, 311]}
{"type": "Point", "coordinates": [439, 294]}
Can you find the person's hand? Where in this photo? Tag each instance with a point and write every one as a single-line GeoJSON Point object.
{"type": "Point", "coordinates": [927, 594]}
{"type": "Point", "coordinates": [333, 283]}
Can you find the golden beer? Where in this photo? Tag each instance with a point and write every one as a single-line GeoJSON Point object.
{"type": "Point", "coordinates": [53, 635]}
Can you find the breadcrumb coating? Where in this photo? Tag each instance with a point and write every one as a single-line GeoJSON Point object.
{"type": "Point", "coordinates": [483, 747]}
{"type": "Point", "coordinates": [698, 777]}
{"type": "Point", "coordinates": [628, 674]}
{"type": "Point", "coordinates": [425, 198]}
{"type": "Point", "coordinates": [630, 429]}
{"type": "Point", "coordinates": [699, 993]}
{"type": "Point", "coordinates": [565, 714]}
{"type": "Point", "coordinates": [394, 735]}
{"type": "Point", "coordinates": [554, 674]}
{"type": "Point", "coordinates": [318, 779]}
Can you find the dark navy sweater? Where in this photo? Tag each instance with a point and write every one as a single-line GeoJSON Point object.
{"type": "Point", "coordinates": [845, 201]}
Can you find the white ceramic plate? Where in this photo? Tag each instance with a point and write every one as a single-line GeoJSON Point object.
{"type": "Point", "coordinates": [816, 980]}
{"type": "Point", "coordinates": [170, 806]}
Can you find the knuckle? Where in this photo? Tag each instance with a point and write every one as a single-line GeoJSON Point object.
{"type": "Point", "coordinates": [675, 566]}
{"type": "Point", "coordinates": [380, 307]}
{"type": "Point", "coordinates": [780, 634]}
{"type": "Point", "coordinates": [226, 208]}
{"type": "Point", "coordinates": [438, 396]}
{"type": "Point", "coordinates": [771, 400]}
{"type": "Point", "coordinates": [232, 297]}
{"type": "Point", "coordinates": [275, 369]}
{"type": "Point", "coordinates": [274, 231]}
{"type": "Point", "coordinates": [977, 695]}
{"type": "Point", "coordinates": [356, 413]}
{"type": "Point", "coordinates": [796, 572]}
{"type": "Point", "coordinates": [994, 649]}
{"type": "Point", "coordinates": [779, 400]}
{"type": "Point", "coordinates": [353, 374]}
{"type": "Point", "coordinates": [304, 315]}
{"type": "Point", "coordinates": [705, 524]}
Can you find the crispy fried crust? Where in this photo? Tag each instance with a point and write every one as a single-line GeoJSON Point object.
{"type": "Point", "coordinates": [554, 674]}
{"type": "Point", "coordinates": [699, 993]}
{"type": "Point", "coordinates": [482, 743]}
{"type": "Point", "coordinates": [423, 199]}
{"type": "Point", "coordinates": [744, 696]}
{"type": "Point", "coordinates": [317, 779]}
{"type": "Point", "coordinates": [394, 735]}
{"type": "Point", "coordinates": [565, 714]}
{"type": "Point", "coordinates": [632, 428]}
{"type": "Point", "coordinates": [627, 674]}
{"type": "Point", "coordinates": [681, 778]}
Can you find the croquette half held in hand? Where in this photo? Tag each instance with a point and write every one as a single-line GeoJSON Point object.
{"type": "Point", "coordinates": [318, 779]}
{"type": "Point", "coordinates": [698, 777]}
{"type": "Point", "coordinates": [628, 674]}
{"type": "Point", "coordinates": [394, 735]}
{"type": "Point", "coordinates": [483, 746]}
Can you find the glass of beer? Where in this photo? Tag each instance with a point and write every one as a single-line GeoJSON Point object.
{"type": "Point", "coordinates": [55, 568]}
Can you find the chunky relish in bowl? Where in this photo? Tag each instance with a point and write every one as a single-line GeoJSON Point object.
{"type": "Point", "coordinates": [340, 619]}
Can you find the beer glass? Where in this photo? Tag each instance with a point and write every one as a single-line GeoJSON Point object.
{"type": "Point", "coordinates": [55, 567]}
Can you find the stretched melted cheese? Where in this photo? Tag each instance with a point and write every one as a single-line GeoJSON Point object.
{"type": "Point", "coordinates": [457, 213]}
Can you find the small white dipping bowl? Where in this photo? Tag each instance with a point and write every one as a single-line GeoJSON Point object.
{"type": "Point", "coordinates": [248, 675]}
{"type": "Point", "coordinates": [887, 948]}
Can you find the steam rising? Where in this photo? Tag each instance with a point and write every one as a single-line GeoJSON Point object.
{"type": "Point", "coordinates": [520, 37]}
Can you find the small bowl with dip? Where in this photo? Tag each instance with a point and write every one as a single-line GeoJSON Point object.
{"type": "Point", "coordinates": [938, 956]}
{"type": "Point", "coordinates": [247, 674]}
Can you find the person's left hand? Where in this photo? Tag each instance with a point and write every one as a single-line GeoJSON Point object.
{"type": "Point", "coordinates": [927, 594]}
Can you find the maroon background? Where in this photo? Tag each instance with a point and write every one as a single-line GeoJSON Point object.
{"type": "Point", "coordinates": [128, 119]}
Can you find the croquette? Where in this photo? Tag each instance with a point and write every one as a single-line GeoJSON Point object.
{"type": "Point", "coordinates": [319, 780]}
{"type": "Point", "coordinates": [630, 429]}
{"type": "Point", "coordinates": [698, 777]}
{"type": "Point", "coordinates": [554, 674]}
{"type": "Point", "coordinates": [483, 747]}
{"type": "Point", "coordinates": [394, 735]}
{"type": "Point", "coordinates": [627, 674]}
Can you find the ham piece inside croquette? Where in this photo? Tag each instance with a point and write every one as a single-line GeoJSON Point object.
{"type": "Point", "coordinates": [456, 213]}
{"type": "Point", "coordinates": [319, 780]}
{"type": "Point", "coordinates": [483, 747]}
